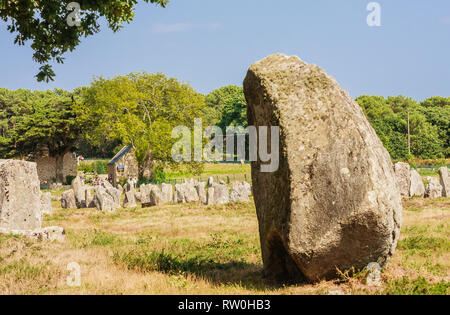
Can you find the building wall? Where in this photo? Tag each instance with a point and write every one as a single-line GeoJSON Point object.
{"type": "Point", "coordinates": [131, 168]}
{"type": "Point", "coordinates": [46, 167]}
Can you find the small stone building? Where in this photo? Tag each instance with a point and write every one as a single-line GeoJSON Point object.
{"type": "Point", "coordinates": [46, 166]}
{"type": "Point", "coordinates": [123, 165]}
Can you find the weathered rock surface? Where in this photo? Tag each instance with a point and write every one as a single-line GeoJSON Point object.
{"type": "Point", "coordinates": [417, 188]}
{"type": "Point", "coordinates": [145, 195]}
{"type": "Point", "coordinates": [53, 233]}
{"type": "Point", "coordinates": [130, 199]}
{"type": "Point", "coordinates": [239, 193]}
{"type": "Point", "coordinates": [217, 195]}
{"type": "Point", "coordinates": [402, 173]}
{"type": "Point", "coordinates": [156, 196]}
{"type": "Point", "coordinates": [137, 195]}
{"type": "Point", "coordinates": [104, 201]}
{"type": "Point", "coordinates": [186, 193]}
{"type": "Point", "coordinates": [46, 203]}
{"type": "Point", "coordinates": [248, 187]}
{"type": "Point", "coordinates": [334, 201]}
{"type": "Point", "coordinates": [167, 193]}
{"type": "Point", "coordinates": [445, 181]}
{"type": "Point", "coordinates": [79, 192]}
{"type": "Point", "coordinates": [210, 182]}
{"type": "Point", "coordinates": [89, 197]}
{"type": "Point", "coordinates": [68, 200]}
{"type": "Point", "coordinates": [201, 192]}
{"type": "Point", "coordinates": [434, 188]}
{"type": "Point", "coordinates": [116, 194]}
{"type": "Point", "coordinates": [20, 195]}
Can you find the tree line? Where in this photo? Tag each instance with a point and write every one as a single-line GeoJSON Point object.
{"type": "Point", "coordinates": [141, 109]}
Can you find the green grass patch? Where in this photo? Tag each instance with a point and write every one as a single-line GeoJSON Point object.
{"type": "Point", "coordinates": [419, 286]}
{"type": "Point", "coordinates": [218, 253]}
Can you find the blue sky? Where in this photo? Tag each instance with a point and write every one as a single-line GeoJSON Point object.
{"type": "Point", "coordinates": [211, 43]}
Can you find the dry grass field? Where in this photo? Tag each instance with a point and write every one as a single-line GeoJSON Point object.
{"type": "Point", "coordinates": [192, 249]}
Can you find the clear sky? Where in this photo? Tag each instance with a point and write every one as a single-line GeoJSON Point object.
{"type": "Point", "coordinates": [211, 43]}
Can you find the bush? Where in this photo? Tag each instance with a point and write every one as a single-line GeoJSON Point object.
{"type": "Point", "coordinates": [85, 167]}
{"type": "Point", "coordinates": [69, 179]}
{"type": "Point", "coordinates": [100, 167]}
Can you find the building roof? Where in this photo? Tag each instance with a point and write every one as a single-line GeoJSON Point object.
{"type": "Point", "coordinates": [121, 153]}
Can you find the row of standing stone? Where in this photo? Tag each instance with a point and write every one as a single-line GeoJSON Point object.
{"type": "Point", "coordinates": [107, 198]}
{"type": "Point", "coordinates": [411, 184]}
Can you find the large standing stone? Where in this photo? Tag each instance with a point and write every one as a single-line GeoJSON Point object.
{"type": "Point", "coordinates": [333, 203]}
{"type": "Point", "coordinates": [239, 193]}
{"type": "Point", "coordinates": [20, 195]}
{"type": "Point", "coordinates": [434, 188]}
{"type": "Point", "coordinates": [417, 188]}
{"type": "Point", "coordinates": [46, 203]}
{"type": "Point", "coordinates": [402, 173]}
{"type": "Point", "coordinates": [445, 181]}
{"type": "Point", "coordinates": [79, 191]}
{"type": "Point", "coordinates": [68, 200]}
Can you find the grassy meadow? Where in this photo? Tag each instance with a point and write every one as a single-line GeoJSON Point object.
{"type": "Point", "coordinates": [194, 249]}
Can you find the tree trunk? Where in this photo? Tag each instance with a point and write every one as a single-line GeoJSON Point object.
{"type": "Point", "coordinates": [59, 168]}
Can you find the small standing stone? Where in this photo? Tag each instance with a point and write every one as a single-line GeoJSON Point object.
{"type": "Point", "coordinates": [156, 196]}
{"type": "Point", "coordinates": [402, 173]}
{"type": "Point", "coordinates": [79, 192]}
{"type": "Point", "coordinates": [68, 200]}
{"type": "Point", "coordinates": [434, 188]}
{"type": "Point", "coordinates": [217, 194]}
{"type": "Point", "coordinates": [104, 201]}
{"type": "Point", "coordinates": [445, 181]}
{"type": "Point", "coordinates": [46, 203]}
{"type": "Point", "coordinates": [167, 193]}
{"type": "Point", "coordinates": [239, 193]}
{"type": "Point", "coordinates": [89, 197]}
{"type": "Point", "coordinates": [417, 187]}
{"type": "Point", "coordinates": [200, 186]}
{"type": "Point", "coordinates": [130, 199]}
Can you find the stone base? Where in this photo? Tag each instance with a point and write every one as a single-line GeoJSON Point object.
{"type": "Point", "coordinates": [53, 233]}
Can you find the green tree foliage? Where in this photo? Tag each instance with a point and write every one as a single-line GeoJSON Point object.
{"type": "Point", "coordinates": [226, 107]}
{"type": "Point", "coordinates": [31, 121]}
{"type": "Point", "coordinates": [44, 23]}
{"type": "Point", "coordinates": [429, 125]}
{"type": "Point", "coordinates": [139, 110]}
